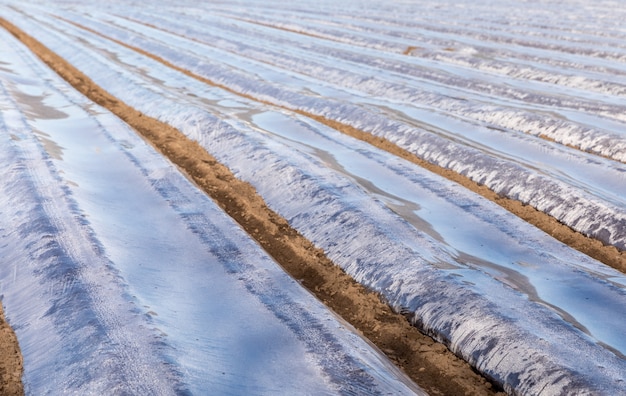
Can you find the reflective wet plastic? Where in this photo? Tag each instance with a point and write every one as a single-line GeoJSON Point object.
{"type": "Point", "coordinates": [119, 276]}
{"type": "Point", "coordinates": [503, 295]}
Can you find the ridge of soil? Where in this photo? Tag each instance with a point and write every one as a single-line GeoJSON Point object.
{"type": "Point", "coordinates": [430, 364]}
{"type": "Point", "coordinates": [11, 364]}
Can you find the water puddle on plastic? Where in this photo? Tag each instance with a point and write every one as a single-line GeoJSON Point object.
{"type": "Point", "coordinates": [474, 239]}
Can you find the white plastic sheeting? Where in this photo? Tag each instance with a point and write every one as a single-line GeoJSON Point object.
{"type": "Point", "coordinates": [120, 277]}
{"type": "Point", "coordinates": [503, 295]}
{"type": "Point", "coordinates": [497, 155]}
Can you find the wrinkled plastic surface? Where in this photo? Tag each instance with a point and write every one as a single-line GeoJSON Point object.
{"type": "Point", "coordinates": [120, 277]}
{"type": "Point", "coordinates": [505, 296]}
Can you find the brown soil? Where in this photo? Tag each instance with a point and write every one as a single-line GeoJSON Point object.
{"type": "Point", "coordinates": [429, 363]}
{"type": "Point", "coordinates": [10, 361]}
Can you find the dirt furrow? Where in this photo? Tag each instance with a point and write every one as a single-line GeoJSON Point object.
{"type": "Point", "coordinates": [11, 364]}
{"type": "Point", "coordinates": [592, 247]}
{"type": "Point", "coordinates": [429, 363]}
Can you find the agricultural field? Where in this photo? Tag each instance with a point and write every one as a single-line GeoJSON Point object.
{"type": "Point", "coordinates": [361, 197]}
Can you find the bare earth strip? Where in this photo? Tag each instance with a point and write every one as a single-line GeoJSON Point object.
{"type": "Point", "coordinates": [11, 361]}
{"type": "Point", "coordinates": [430, 364]}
